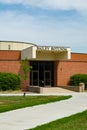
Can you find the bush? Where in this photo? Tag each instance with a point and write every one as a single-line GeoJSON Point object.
{"type": "Point", "coordinates": [9, 81]}
{"type": "Point", "coordinates": [78, 78]}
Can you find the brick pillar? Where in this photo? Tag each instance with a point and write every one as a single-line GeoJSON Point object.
{"type": "Point", "coordinates": [25, 83]}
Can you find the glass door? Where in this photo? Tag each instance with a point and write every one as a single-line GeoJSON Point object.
{"type": "Point", "coordinates": [42, 73]}
{"type": "Point", "coordinates": [35, 78]}
{"type": "Point", "coordinates": [47, 78]}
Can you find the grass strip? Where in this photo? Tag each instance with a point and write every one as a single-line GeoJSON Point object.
{"type": "Point", "coordinates": [8, 103]}
{"type": "Point", "coordinates": [74, 122]}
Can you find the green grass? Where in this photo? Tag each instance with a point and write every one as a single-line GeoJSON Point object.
{"type": "Point", "coordinates": [74, 122]}
{"type": "Point", "coordinates": [8, 103]}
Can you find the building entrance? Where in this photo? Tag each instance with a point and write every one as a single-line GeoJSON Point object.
{"type": "Point", "coordinates": [42, 73]}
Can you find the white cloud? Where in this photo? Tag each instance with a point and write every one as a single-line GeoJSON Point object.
{"type": "Point", "coordinates": [60, 4]}
{"type": "Point", "coordinates": [41, 29]}
{"type": "Point", "coordinates": [23, 27]}
{"type": "Point", "coordinates": [79, 5]}
{"type": "Point", "coordinates": [10, 1]}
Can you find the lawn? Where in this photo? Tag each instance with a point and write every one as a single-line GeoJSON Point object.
{"type": "Point", "coordinates": [74, 122]}
{"type": "Point", "coordinates": [8, 103]}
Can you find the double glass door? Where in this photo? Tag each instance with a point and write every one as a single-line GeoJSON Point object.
{"type": "Point", "coordinates": [42, 73]}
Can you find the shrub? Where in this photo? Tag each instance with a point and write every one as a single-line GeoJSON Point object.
{"type": "Point", "coordinates": [9, 81]}
{"type": "Point", "coordinates": [78, 78]}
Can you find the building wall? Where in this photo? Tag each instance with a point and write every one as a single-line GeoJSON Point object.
{"type": "Point", "coordinates": [78, 57]}
{"type": "Point", "coordinates": [65, 69]}
{"type": "Point", "coordinates": [10, 66]}
{"type": "Point", "coordinates": [10, 62]}
{"type": "Point", "coordinates": [13, 45]}
{"type": "Point", "coordinates": [10, 55]}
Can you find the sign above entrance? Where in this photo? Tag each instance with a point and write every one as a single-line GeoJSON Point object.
{"type": "Point", "coordinates": [50, 53]}
{"type": "Point", "coordinates": [51, 48]}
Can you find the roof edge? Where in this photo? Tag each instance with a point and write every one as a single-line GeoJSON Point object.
{"type": "Point", "coordinates": [18, 42]}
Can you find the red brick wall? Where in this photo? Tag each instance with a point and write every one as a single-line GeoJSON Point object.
{"type": "Point", "coordinates": [78, 57]}
{"type": "Point", "coordinates": [14, 67]}
{"type": "Point", "coordinates": [25, 83]}
{"type": "Point", "coordinates": [64, 69]}
{"type": "Point", "coordinates": [10, 55]}
{"type": "Point", "coordinates": [67, 69]}
{"type": "Point", "coordinates": [10, 62]}
{"type": "Point", "coordinates": [10, 66]}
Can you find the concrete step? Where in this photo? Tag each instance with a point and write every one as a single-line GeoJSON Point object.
{"type": "Point", "coordinates": [48, 90]}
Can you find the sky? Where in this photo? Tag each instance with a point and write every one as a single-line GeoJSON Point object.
{"type": "Point", "coordinates": [45, 22]}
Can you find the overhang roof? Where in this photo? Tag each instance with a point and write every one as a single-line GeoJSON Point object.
{"type": "Point", "coordinates": [46, 53]}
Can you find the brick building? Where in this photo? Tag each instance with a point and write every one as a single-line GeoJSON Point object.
{"type": "Point", "coordinates": [52, 66]}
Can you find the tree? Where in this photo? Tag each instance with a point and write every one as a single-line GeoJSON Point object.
{"type": "Point", "coordinates": [25, 68]}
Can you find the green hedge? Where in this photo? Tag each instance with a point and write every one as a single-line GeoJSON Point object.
{"type": "Point", "coordinates": [78, 78]}
{"type": "Point", "coordinates": [9, 81]}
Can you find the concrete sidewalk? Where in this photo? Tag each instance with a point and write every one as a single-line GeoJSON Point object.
{"type": "Point", "coordinates": [30, 117]}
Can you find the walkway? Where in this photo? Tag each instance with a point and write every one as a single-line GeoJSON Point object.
{"type": "Point", "coordinates": [30, 117]}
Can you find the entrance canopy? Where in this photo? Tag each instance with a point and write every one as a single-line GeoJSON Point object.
{"type": "Point", "coordinates": [50, 53]}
